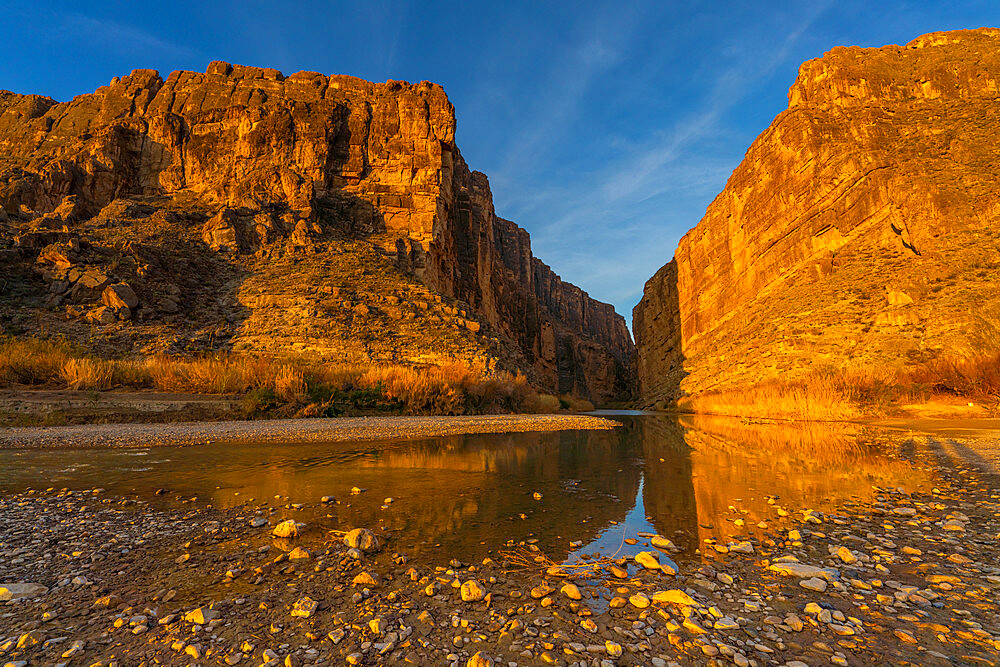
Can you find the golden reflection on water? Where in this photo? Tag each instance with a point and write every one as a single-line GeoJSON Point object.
{"type": "Point", "coordinates": [465, 496]}
{"type": "Point", "coordinates": [741, 465]}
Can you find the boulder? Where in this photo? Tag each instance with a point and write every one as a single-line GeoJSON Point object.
{"type": "Point", "coordinates": [119, 295]}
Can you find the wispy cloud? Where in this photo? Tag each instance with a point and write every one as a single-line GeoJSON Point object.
{"type": "Point", "coordinates": [553, 104]}
{"type": "Point", "coordinates": [639, 201]}
{"type": "Point", "coordinates": [110, 34]}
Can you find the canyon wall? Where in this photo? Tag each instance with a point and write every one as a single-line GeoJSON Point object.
{"type": "Point", "coordinates": [859, 232]}
{"type": "Point", "coordinates": [250, 160]}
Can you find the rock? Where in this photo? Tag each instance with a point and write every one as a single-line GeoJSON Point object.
{"type": "Point", "coordinates": [258, 522]}
{"type": "Point", "coordinates": [202, 615]}
{"type": "Point", "coordinates": [572, 592]}
{"type": "Point", "coordinates": [801, 570]}
{"type": "Point", "coordinates": [93, 278]}
{"type": "Point", "coordinates": [363, 539]}
{"type": "Point", "coordinates": [298, 553]}
{"type": "Point", "coordinates": [20, 591]}
{"type": "Point", "coordinates": [826, 192]}
{"type": "Point", "coordinates": [741, 548]}
{"type": "Point", "coordinates": [639, 600]}
{"type": "Point", "coordinates": [259, 147]}
{"type": "Point", "coordinates": [674, 597]}
{"type": "Point", "coordinates": [118, 296]}
{"type": "Point", "coordinates": [472, 591]}
{"type": "Point", "coordinates": [813, 584]}
{"type": "Point", "coordinates": [102, 315]}
{"type": "Point", "coordinates": [168, 306]}
{"type": "Point", "coordinates": [305, 607]}
{"type": "Point", "coordinates": [287, 528]}
{"type": "Point", "coordinates": [651, 561]}
{"type": "Point", "coordinates": [480, 659]}
{"type": "Point", "coordinates": [953, 525]}
{"type": "Point", "coordinates": [846, 555]}
{"type": "Point", "coordinates": [74, 650]}
{"type": "Point", "coordinates": [365, 579]}
{"type": "Point", "coordinates": [613, 649]}
{"type": "Point", "coordinates": [661, 542]}
{"type": "Point", "coordinates": [726, 623]}
{"type": "Point", "coordinates": [30, 639]}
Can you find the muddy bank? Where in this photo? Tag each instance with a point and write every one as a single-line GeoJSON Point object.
{"type": "Point", "coordinates": [897, 579]}
{"type": "Point", "coordinates": [275, 431]}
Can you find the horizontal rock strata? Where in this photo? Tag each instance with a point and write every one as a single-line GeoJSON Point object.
{"type": "Point", "coordinates": [860, 231]}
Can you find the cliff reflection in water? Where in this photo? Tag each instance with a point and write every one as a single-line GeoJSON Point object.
{"type": "Point", "coordinates": [723, 469]}
{"type": "Point", "coordinates": [466, 496]}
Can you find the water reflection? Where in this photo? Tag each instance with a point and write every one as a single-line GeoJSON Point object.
{"type": "Point", "coordinates": [465, 496]}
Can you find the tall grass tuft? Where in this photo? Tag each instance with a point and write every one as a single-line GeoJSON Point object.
{"type": "Point", "coordinates": [31, 361]}
{"type": "Point", "coordinates": [85, 373]}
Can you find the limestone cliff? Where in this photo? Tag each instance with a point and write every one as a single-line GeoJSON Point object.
{"type": "Point", "coordinates": [308, 212]}
{"type": "Point", "coordinates": [862, 229]}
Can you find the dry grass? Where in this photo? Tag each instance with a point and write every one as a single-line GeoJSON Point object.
{"type": "Point", "coordinates": [31, 361]}
{"type": "Point", "coordinates": [87, 373]}
{"type": "Point", "coordinates": [831, 395]}
{"type": "Point", "coordinates": [837, 395]}
{"type": "Point", "coordinates": [452, 389]}
{"type": "Point", "coordinates": [308, 385]}
{"type": "Point", "coordinates": [976, 378]}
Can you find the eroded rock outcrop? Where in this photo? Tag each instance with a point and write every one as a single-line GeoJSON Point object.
{"type": "Point", "coordinates": [859, 232]}
{"type": "Point", "coordinates": [254, 165]}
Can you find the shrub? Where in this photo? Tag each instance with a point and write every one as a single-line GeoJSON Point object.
{"type": "Point", "coordinates": [289, 383]}
{"type": "Point", "coordinates": [543, 403]}
{"type": "Point", "coordinates": [259, 401]}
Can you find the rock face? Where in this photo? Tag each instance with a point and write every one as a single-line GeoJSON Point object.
{"type": "Point", "coordinates": [860, 231]}
{"type": "Point", "coordinates": [246, 161]}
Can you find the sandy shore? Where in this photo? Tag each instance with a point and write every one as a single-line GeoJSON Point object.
{"type": "Point", "coordinates": [288, 430]}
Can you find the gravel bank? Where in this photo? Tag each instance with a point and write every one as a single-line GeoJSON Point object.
{"type": "Point", "coordinates": [902, 579]}
{"type": "Point", "coordinates": [274, 431]}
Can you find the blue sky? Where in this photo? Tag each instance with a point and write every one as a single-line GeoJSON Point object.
{"type": "Point", "coordinates": [606, 128]}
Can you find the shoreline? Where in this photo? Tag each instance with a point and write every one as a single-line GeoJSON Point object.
{"type": "Point", "coordinates": [907, 578]}
{"type": "Point", "coordinates": [275, 431]}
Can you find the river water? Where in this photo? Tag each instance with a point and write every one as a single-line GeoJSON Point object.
{"type": "Point", "coordinates": [469, 496]}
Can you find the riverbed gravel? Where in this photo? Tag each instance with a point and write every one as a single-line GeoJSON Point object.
{"type": "Point", "coordinates": [897, 578]}
{"type": "Point", "coordinates": [274, 431]}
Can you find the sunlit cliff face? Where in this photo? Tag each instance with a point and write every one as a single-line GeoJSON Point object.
{"type": "Point", "coordinates": [860, 230]}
